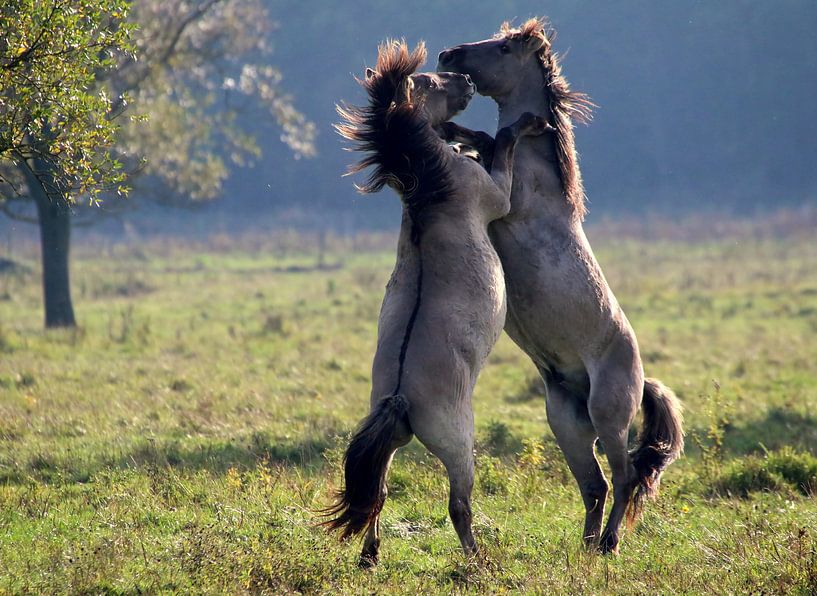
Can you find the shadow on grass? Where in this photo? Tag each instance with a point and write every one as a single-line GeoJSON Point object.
{"type": "Point", "coordinates": [243, 453]}
{"type": "Point", "coordinates": [534, 390]}
{"type": "Point", "coordinates": [216, 457]}
{"type": "Point", "coordinates": [780, 427]}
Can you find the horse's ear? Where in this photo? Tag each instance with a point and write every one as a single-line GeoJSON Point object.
{"type": "Point", "coordinates": [534, 43]}
{"type": "Point", "coordinates": [403, 94]}
{"type": "Point", "coordinates": [369, 73]}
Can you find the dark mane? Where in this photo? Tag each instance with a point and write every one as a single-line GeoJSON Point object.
{"type": "Point", "coordinates": [565, 106]}
{"type": "Point", "coordinates": [404, 150]}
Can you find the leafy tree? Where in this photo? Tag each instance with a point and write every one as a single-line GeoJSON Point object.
{"type": "Point", "coordinates": [195, 67]}
{"type": "Point", "coordinates": [202, 76]}
{"type": "Point", "coordinates": [50, 109]}
{"type": "Point", "coordinates": [55, 123]}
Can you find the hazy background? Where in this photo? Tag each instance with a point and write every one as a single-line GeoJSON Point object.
{"type": "Point", "coordinates": [703, 106]}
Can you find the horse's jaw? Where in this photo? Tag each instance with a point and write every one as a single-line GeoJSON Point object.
{"type": "Point", "coordinates": [530, 95]}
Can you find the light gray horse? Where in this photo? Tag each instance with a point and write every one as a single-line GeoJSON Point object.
{"type": "Point", "coordinates": [561, 311]}
{"type": "Point", "coordinates": [444, 306]}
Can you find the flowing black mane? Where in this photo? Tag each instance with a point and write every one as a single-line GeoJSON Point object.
{"type": "Point", "coordinates": [565, 106]}
{"type": "Point", "coordinates": [404, 150]}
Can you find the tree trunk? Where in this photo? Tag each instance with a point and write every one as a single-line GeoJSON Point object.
{"type": "Point", "coordinates": [55, 243]}
{"type": "Point", "coordinates": [54, 219]}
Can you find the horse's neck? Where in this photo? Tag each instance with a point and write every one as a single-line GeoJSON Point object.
{"type": "Point", "coordinates": [525, 98]}
{"type": "Point", "coordinates": [537, 186]}
{"type": "Point", "coordinates": [406, 248]}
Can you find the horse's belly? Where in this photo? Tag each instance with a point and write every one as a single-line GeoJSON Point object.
{"type": "Point", "coordinates": [542, 331]}
{"type": "Point", "coordinates": [558, 304]}
{"type": "Point", "coordinates": [469, 319]}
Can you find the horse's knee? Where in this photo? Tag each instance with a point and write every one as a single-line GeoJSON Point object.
{"type": "Point", "coordinates": [594, 493]}
{"type": "Point", "coordinates": [459, 508]}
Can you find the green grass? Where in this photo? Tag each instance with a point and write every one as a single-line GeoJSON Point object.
{"type": "Point", "coordinates": [183, 437]}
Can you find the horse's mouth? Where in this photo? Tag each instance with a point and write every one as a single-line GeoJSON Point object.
{"type": "Point", "coordinates": [466, 99]}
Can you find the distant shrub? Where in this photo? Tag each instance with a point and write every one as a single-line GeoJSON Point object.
{"type": "Point", "coordinates": [491, 477]}
{"type": "Point", "coordinates": [797, 468]}
{"type": "Point", "coordinates": [532, 455]}
{"type": "Point", "coordinates": [711, 444]}
{"type": "Point", "coordinates": [498, 440]}
{"type": "Point", "coordinates": [6, 344]}
{"type": "Point", "coordinates": [534, 390]}
{"type": "Point", "coordinates": [785, 470]}
{"type": "Point", "coordinates": [273, 324]}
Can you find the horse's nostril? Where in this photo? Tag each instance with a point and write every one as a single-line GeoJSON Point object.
{"type": "Point", "coordinates": [468, 80]}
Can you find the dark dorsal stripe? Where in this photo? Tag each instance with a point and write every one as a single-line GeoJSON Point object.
{"type": "Point", "coordinates": [410, 324]}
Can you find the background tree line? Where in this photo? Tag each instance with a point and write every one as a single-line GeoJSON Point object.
{"type": "Point", "coordinates": [106, 106]}
{"type": "Point", "coordinates": [702, 105]}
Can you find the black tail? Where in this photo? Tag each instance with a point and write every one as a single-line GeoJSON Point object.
{"type": "Point", "coordinates": [660, 443]}
{"type": "Point", "coordinates": [365, 464]}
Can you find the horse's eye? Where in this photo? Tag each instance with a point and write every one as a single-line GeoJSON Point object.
{"type": "Point", "coordinates": [505, 48]}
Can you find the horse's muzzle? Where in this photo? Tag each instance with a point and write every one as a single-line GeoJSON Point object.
{"type": "Point", "coordinates": [448, 57]}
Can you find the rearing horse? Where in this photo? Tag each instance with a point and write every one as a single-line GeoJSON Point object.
{"type": "Point", "coordinates": [444, 306]}
{"type": "Point", "coordinates": [561, 311]}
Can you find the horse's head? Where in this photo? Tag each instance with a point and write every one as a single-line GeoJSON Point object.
{"type": "Point", "coordinates": [500, 64]}
{"type": "Point", "coordinates": [518, 69]}
{"type": "Point", "coordinates": [442, 95]}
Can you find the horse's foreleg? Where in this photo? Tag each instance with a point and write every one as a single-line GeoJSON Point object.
{"type": "Point", "coordinates": [506, 138]}
{"type": "Point", "coordinates": [615, 396]}
{"type": "Point", "coordinates": [576, 436]}
{"type": "Point", "coordinates": [479, 140]}
{"type": "Point", "coordinates": [502, 164]}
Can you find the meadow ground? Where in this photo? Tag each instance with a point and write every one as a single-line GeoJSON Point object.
{"type": "Point", "coordinates": [182, 438]}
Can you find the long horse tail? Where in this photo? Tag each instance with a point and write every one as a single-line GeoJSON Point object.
{"type": "Point", "coordinates": [660, 443]}
{"type": "Point", "coordinates": [365, 463]}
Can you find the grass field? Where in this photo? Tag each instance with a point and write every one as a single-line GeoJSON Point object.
{"type": "Point", "coordinates": [181, 439]}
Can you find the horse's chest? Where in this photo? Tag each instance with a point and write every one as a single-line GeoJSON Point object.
{"type": "Point", "coordinates": [555, 293]}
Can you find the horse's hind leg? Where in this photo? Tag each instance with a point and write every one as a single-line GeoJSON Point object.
{"type": "Point", "coordinates": [574, 432]}
{"type": "Point", "coordinates": [371, 544]}
{"type": "Point", "coordinates": [615, 396]}
{"type": "Point", "coordinates": [370, 553]}
{"type": "Point", "coordinates": [449, 434]}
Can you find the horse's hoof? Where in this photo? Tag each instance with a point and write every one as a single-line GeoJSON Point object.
{"type": "Point", "coordinates": [608, 545]}
{"type": "Point", "coordinates": [367, 560]}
